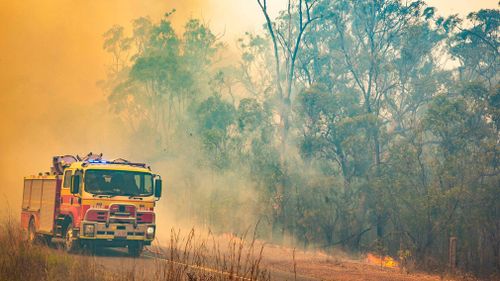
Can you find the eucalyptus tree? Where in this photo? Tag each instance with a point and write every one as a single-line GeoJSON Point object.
{"type": "Point", "coordinates": [256, 66]}
{"type": "Point", "coordinates": [286, 34]}
{"type": "Point", "coordinates": [156, 71]}
{"type": "Point", "coordinates": [165, 74]}
{"type": "Point", "coordinates": [465, 175]}
{"type": "Point", "coordinates": [476, 46]}
{"type": "Point", "coordinates": [214, 119]}
{"type": "Point", "coordinates": [118, 45]}
{"type": "Point", "coordinates": [334, 133]}
{"type": "Point", "coordinates": [385, 54]}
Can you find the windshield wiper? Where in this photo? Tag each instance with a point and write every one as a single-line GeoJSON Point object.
{"type": "Point", "coordinates": [110, 195]}
{"type": "Point", "coordinates": [105, 195]}
{"type": "Point", "coordinates": [132, 196]}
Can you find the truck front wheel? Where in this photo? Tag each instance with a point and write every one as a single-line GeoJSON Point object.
{"type": "Point", "coordinates": [135, 249]}
{"type": "Point", "coordinates": [70, 242]}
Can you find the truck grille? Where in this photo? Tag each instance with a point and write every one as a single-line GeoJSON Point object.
{"type": "Point", "coordinates": [118, 210]}
{"type": "Point", "coordinates": [121, 213]}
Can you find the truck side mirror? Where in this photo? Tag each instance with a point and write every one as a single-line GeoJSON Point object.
{"type": "Point", "coordinates": [75, 184]}
{"type": "Point", "coordinates": [157, 188]}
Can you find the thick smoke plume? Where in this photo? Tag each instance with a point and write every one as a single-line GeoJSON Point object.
{"type": "Point", "coordinates": [51, 59]}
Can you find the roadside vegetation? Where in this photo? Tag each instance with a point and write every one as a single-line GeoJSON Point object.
{"type": "Point", "coordinates": [187, 257]}
{"type": "Point", "coordinates": [370, 126]}
{"type": "Point", "coordinates": [21, 260]}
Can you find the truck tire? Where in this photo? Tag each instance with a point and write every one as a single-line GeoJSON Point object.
{"type": "Point", "coordinates": [88, 248]}
{"type": "Point", "coordinates": [31, 237]}
{"type": "Point", "coordinates": [135, 249]}
{"type": "Point", "coordinates": [71, 244]}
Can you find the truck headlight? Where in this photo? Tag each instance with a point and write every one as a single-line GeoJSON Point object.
{"type": "Point", "coordinates": [150, 232]}
{"type": "Point", "coordinates": [88, 230]}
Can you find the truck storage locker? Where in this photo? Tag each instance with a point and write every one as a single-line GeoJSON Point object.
{"type": "Point", "coordinates": [48, 205]}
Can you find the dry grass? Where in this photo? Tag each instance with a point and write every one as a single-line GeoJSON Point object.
{"type": "Point", "coordinates": [210, 257]}
{"type": "Point", "coordinates": [191, 257]}
{"type": "Point", "coordinates": [20, 260]}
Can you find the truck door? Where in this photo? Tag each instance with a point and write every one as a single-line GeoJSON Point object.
{"type": "Point", "coordinates": [65, 194]}
{"type": "Point", "coordinates": [69, 203]}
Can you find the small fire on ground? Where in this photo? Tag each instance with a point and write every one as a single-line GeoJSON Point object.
{"type": "Point", "coordinates": [385, 261]}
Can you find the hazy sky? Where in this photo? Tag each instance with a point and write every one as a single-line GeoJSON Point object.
{"type": "Point", "coordinates": [51, 57]}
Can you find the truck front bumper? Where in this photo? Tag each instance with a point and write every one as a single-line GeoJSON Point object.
{"type": "Point", "coordinates": [117, 232]}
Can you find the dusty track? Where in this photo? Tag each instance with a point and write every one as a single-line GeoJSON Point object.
{"type": "Point", "coordinates": [115, 258]}
{"type": "Point", "coordinates": [309, 266]}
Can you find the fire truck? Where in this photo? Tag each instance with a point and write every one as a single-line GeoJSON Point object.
{"type": "Point", "coordinates": [88, 202]}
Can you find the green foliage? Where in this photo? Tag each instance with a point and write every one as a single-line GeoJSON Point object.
{"type": "Point", "coordinates": [250, 114]}
{"type": "Point", "coordinates": [380, 147]}
{"type": "Point", "coordinates": [214, 118]}
{"type": "Point", "coordinates": [476, 46]}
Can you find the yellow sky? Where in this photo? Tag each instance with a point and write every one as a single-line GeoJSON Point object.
{"type": "Point", "coordinates": [51, 57]}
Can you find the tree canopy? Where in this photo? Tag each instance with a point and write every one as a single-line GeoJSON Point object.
{"type": "Point", "coordinates": [339, 126]}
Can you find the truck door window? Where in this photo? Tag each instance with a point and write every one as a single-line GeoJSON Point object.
{"type": "Point", "coordinates": [67, 179]}
{"type": "Point", "coordinates": [80, 173]}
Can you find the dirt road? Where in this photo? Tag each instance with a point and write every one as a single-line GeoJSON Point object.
{"type": "Point", "coordinates": [116, 258]}
{"type": "Point", "coordinates": [309, 266]}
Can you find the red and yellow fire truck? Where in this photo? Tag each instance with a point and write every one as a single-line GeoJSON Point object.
{"type": "Point", "coordinates": [90, 202]}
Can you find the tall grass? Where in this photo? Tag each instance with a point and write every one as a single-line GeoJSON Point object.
{"type": "Point", "coordinates": [21, 260]}
{"type": "Point", "coordinates": [210, 257]}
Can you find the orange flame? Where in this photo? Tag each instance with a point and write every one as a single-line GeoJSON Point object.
{"type": "Point", "coordinates": [385, 261]}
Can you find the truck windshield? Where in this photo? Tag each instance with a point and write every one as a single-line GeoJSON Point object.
{"type": "Point", "coordinates": [115, 182]}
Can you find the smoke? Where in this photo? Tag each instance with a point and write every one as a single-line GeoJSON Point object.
{"type": "Point", "coordinates": [51, 59]}
{"type": "Point", "coordinates": [49, 100]}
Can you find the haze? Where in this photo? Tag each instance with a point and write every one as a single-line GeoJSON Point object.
{"type": "Point", "coordinates": [52, 58]}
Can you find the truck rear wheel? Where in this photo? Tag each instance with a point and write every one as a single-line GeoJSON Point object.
{"type": "Point", "coordinates": [31, 231]}
{"type": "Point", "coordinates": [135, 249]}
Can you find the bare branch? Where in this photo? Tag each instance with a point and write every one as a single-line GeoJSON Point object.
{"type": "Point", "coordinates": [283, 42]}
{"type": "Point", "coordinates": [263, 6]}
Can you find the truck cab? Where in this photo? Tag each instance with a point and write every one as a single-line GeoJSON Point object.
{"type": "Point", "coordinates": [93, 203]}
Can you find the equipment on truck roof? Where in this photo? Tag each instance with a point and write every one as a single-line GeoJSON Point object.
{"type": "Point", "coordinates": [59, 163]}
